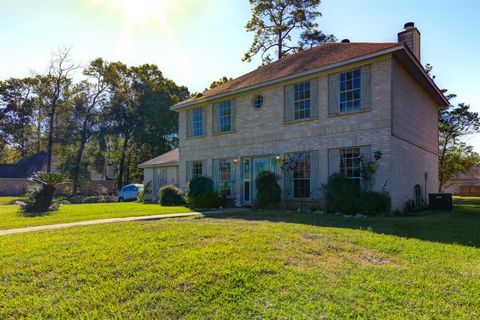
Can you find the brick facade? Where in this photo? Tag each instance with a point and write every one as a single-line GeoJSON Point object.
{"type": "Point", "coordinates": [264, 132]}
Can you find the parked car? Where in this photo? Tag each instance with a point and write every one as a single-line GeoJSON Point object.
{"type": "Point", "coordinates": [129, 192]}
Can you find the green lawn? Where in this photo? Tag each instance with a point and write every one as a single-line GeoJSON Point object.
{"type": "Point", "coordinates": [249, 266]}
{"type": "Point", "coordinates": [10, 216]}
{"type": "Point", "coordinates": [10, 200]}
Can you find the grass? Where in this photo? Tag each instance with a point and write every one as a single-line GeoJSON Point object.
{"type": "Point", "coordinates": [10, 200]}
{"type": "Point", "coordinates": [10, 216]}
{"type": "Point", "coordinates": [249, 266]}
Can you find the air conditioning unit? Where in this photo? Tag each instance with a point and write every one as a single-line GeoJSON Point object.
{"type": "Point", "coordinates": [440, 201]}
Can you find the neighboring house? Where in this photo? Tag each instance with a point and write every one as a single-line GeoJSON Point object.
{"type": "Point", "coordinates": [322, 109]}
{"type": "Point", "coordinates": [160, 171]}
{"type": "Point", "coordinates": [14, 178]}
{"type": "Point", "coordinates": [465, 184]}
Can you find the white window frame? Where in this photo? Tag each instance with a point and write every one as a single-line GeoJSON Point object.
{"type": "Point", "coordinates": [349, 88]}
{"type": "Point", "coordinates": [197, 122]}
{"type": "Point", "coordinates": [225, 116]}
{"type": "Point", "coordinates": [350, 163]}
{"type": "Point", "coordinates": [302, 100]}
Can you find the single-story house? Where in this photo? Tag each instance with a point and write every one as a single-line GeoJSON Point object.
{"type": "Point", "coordinates": [14, 178]}
{"type": "Point", "coordinates": [465, 184]}
{"type": "Point", "coordinates": [158, 172]}
{"type": "Point", "coordinates": [324, 110]}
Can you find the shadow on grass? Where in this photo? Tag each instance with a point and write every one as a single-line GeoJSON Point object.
{"type": "Point", "coordinates": [460, 226]}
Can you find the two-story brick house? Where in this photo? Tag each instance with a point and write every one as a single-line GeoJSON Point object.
{"type": "Point", "coordinates": [322, 109]}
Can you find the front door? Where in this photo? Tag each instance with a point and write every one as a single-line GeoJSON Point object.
{"type": "Point", "coordinates": [251, 168]}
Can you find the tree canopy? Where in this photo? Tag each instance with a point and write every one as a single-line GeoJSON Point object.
{"type": "Point", "coordinates": [284, 26]}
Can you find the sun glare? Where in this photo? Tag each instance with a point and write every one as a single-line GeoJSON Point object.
{"type": "Point", "coordinates": [141, 10]}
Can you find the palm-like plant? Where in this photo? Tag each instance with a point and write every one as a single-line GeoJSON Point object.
{"type": "Point", "coordinates": [41, 200]}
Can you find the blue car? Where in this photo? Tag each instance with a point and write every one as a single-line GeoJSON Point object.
{"type": "Point", "coordinates": [129, 192]}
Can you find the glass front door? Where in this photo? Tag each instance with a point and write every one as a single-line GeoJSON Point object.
{"type": "Point", "coordinates": [251, 168]}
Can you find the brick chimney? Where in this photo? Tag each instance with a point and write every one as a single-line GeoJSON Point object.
{"type": "Point", "coordinates": [410, 36]}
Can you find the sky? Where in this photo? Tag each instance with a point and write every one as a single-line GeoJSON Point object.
{"type": "Point", "coordinates": [197, 41]}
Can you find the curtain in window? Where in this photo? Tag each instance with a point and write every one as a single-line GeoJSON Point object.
{"type": "Point", "coordinates": [288, 103]}
{"type": "Point", "coordinates": [333, 161]}
{"type": "Point", "coordinates": [314, 179]}
{"type": "Point", "coordinates": [333, 94]}
{"type": "Point", "coordinates": [365, 87]}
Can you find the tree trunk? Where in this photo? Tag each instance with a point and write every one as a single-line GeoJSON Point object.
{"type": "Point", "coordinates": [280, 46]}
{"type": "Point", "coordinates": [78, 160]}
{"type": "Point", "coordinates": [50, 139]}
{"type": "Point", "coordinates": [122, 164]}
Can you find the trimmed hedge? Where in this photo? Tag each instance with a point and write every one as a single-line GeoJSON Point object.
{"type": "Point", "coordinates": [208, 200]}
{"type": "Point", "coordinates": [343, 195]}
{"type": "Point", "coordinates": [268, 190]}
{"type": "Point", "coordinates": [200, 186]}
{"type": "Point", "coordinates": [170, 195]}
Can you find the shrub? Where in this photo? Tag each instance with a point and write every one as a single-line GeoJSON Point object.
{"type": "Point", "coordinates": [341, 194]}
{"type": "Point", "coordinates": [268, 190]}
{"type": "Point", "coordinates": [374, 202]}
{"type": "Point", "coordinates": [170, 195]}
{"type": "Point", "coordinates": [200, 186]}
{"type": "Point", "coordinates": [208, 200]}
{"type": "Point", "coordinates": [41, 200]}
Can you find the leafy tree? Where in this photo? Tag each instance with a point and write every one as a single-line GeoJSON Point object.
{"type": "Point", "coordinates": [455, 156]}
{"type": "Point", "coordinates": [53, 89]}
{"type": "Point", "coordinates": [219, 82]}
{"type": "Point", "coordinates": [274, 22]}
{"type": "Point", "coordinates": [17, 106]}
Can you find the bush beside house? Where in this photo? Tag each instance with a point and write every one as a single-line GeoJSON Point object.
{"type": "Point", "coordinates": [170, 195]}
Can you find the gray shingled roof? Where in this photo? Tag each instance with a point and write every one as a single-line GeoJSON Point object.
{"type": "Point", "coordinates": [169, 158]}
{"type": "Point", "coordinates": [24, 168]}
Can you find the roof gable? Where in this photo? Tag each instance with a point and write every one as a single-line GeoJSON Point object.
{"type": "Point", "coordinates": [24, 168]}
{"type": "Point", "coordinates": [169, 158]}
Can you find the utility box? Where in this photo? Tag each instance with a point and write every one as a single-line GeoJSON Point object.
{"type": "Point", "coordinates": [440, 201]}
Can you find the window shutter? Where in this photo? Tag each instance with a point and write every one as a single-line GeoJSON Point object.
{"type": "Point", "coordinates": [215, 174]}
{"type": "Point", "coordinates": [189, 171]}
{"type": "Point", "coordinates": [204, 121]}
{"type": "Point", "coordinates": [333, 94]}
{"type": "Point", "coordinates": [216, 118]}
{"type": "Point", "coordinates": [333, 161]}
{"type": "Point", "coordinates": [314, 179]}
{"type": "Point", "coordinates": [287, 181]}
{"type": "Point", "coordinates": [366, 152]}
{"type": "Point", "coordinates": [315, 99]}
{"type": "Point", "coordinates": [189, 123]}
{"type": "Point", "coordinates": [233, 107]}
{"type": "Point", "coordinates": [288, 103]}
{"type": "Point", "coordinates": [365, 87]}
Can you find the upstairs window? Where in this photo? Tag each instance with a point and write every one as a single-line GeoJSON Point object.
{"type": "Point", "coordinates": [196, 127]}
{"type": "Point", "coordinates": [225, 116]}
{"type": "Point", "coordinates": [301, 100]}
{"type": "Point", "coordinates": [350, 91]}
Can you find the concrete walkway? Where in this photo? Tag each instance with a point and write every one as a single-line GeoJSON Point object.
{"type": "Point", "coordinates": [100, 221]}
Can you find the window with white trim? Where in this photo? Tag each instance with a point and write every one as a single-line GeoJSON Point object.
{"type": "Point", "coordinates": [301, 100]}
{"type": "Point", "coordinates": [301, 174]}
{"type": "Point", "coordinates": [349, 90]}
{"type": "Point", "coordinates": [225, 177]}
{"type": "Point", "coordinates": [197, 169]}
{"type": "Point", "coordinates": [225, 116]}
{"type": "Point", "coordinates": [197, 122]}
{"type": "Point", "coordinates": [350, 163]}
